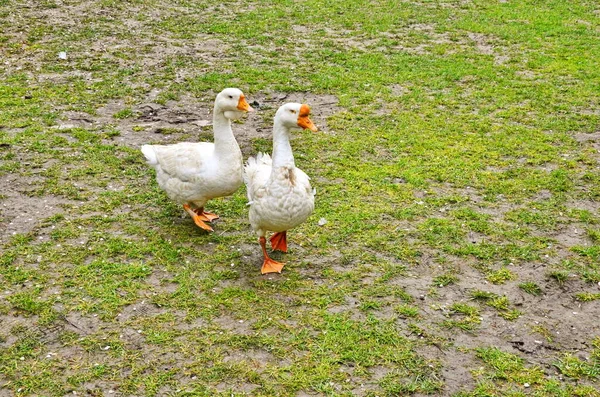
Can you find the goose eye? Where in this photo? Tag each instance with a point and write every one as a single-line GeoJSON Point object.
{"type": "Point", "coordinates": [293, 111]}
{"type": "Point", "coordinates": [230, 97]}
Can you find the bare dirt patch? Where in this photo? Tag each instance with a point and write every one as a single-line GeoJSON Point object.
{"type": "Point", "coordinates": [21, 213]}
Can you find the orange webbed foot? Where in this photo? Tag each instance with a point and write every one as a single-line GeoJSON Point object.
{"type": "Point", "coordinates": [271, 266]}
{"type": "Point", "coordinates": [210, 216]}
{"type": "Point", "coordinates": [279, 241]}
{"type": "Point", "coordinates": [206, 216]}
{"type": "Point", "coordinates": [201, 224]}
{"type": "Point", "coordinates": [198, 219]}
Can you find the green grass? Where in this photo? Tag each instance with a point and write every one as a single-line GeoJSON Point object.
{"type": "Point", "coordinates": [469, 317]}
{"type": "Point", "coordinates": [531, 288]}
{"type": "Point", "coordinates": [577, 368]}
{"type": "Point", "coordinates": [444, 280]}
{"type": "Point", "coordinates": [587, 296]}
{"type": "Point", "coordinates": [500, 276]}
{"type": "Point", "coordinates": [457, 172]}
{"type": "Point", "coordinates": [507, 374]}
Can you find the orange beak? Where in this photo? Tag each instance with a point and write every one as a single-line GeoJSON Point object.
{"type": "Point", "coordinates": [304, 121]}
{"type": "Point", "coordinates": [243, 105]}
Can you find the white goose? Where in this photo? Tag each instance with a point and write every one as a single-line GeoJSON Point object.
{"type": "Point", "coordinates": [280, 196]}
{"type": "Point", "coordinates": [193, 173]}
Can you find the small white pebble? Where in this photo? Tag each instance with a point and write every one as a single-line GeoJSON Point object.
{"type": "Point", "coordinates": [139, 331]}
{"type": "Point", "coordinates": [106, 348]}
{"type": "Point", "coordinates": [526, 385]}
{"type": "Point", "coordinates": [241, 321]}
{"type": "Point", "coordinates": [22, 358]}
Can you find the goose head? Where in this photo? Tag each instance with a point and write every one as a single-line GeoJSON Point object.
{"type": "Point", "coordinates": [232, 102]}
{"type": "Point", "coordinates": [294, 116]}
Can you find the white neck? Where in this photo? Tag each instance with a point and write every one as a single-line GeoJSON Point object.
{"type": "Point", "coordinates": [223, 135]}
{"type": "Point", "coordinates": [282, 150]}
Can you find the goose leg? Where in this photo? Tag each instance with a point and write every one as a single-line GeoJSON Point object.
{"type": "Point", "coordinates": [279, 241]}
{"type": "Point", "coordinates": [206, 216]}
{"type": "Point", "coordinates": [198, 220]}
{"type": "Point", "coordinates": [269, 265]}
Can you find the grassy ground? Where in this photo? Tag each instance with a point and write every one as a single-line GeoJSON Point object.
{"type": "Point", "coordinates": [457, 172]}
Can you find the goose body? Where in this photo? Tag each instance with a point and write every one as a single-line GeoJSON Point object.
{"type": "Point", "coordinates": [192, 173]}
{"type": "Point", "coordinates": [280, 195]}
{"type": "Point", "coordinates": [280, 198]}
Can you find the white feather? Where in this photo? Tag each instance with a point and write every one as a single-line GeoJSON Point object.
{"type": "Point", "coordinates": [191, 172]}
{"type": "Point", "coordinates": [149, 154]}
{"type": "Point", "coordinates": [279, 193]}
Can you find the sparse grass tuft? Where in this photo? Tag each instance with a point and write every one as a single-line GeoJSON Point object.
{"type": "Point", "coordinates": [469, 317]}
{"type": "Point", "coordinates": [587, 296]}
{"type": "Point", "coordinates": [407, 311]}
{"type": "Point", "coordinates": [482, 295]}
{"type": "Point", "coordinates": [594, 235]}
{"type": "Point", "coordinates": [531, 288]}
{"type": "Point", "coordinates": [123, 114]}
{"type": "Point", "coordinates": [445, 279]}
{"type": "Point", "coordinates": [500, 276]}
{"type": "Point", "coordinates": [559, 276]}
